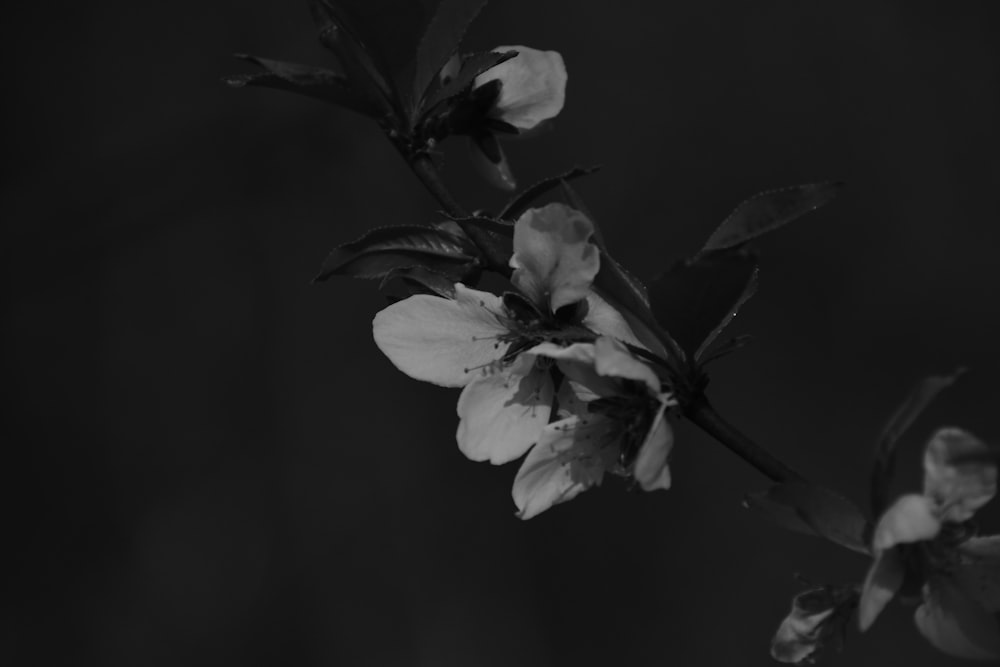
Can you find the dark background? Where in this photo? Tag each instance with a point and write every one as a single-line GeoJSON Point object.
{"type": "Point", "coordinates": [210, 463]}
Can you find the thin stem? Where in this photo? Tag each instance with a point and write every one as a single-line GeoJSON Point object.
{"type": "Point", "coordinates": [704, 415]}
{"type": "Point", "coordinates": [424, 168]}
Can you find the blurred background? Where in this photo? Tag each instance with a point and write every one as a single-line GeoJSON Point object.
{"type": "Point", "coordinates": [210, 463]}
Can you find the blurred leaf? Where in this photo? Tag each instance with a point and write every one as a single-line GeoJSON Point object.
{"type": "Point", "coordinates": [316, 82]}
{"type": "Point", "coordinates": [523, 200]}
{"type": "Point", "coordinates": [381, 251]}
{"type": "Point", "coordinates": [813, 510]}
{"type": "Point", "coordinates": [472, 66]}
{"type": "Point", "coordinates": [697, 298]}
{"type": "Point", "coordinates": [490, 160]}
{"type": "Point", "coordinates": [769, 210]}
{"type": "Point", "coordinates": [441, 39]}
{"type": "Point", "coordinates": [885, 450]}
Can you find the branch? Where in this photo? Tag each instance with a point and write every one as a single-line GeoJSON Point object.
{"type": "Point", "coordinates": [704, 415]}
{"type": "Point", "coordinates": [424, 168]}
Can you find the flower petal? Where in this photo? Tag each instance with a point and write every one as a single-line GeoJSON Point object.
{"type": "Point", "coordinates": [651, 470]}
{"type": "Point", "coordinates": [440, 340]}
{"type": "Point", "coordinates": [533, 86]}
{"type": "Point", "coordinates": [554, 260]}
{"type": "Point", "coordinates": [912, 518]}
{"type": "Point", "coordinates": [956, 624]}
{"type": "Point", "coordinates": [960, 489]}
{"type": "Point", "coordinates": [884, 578]}
{"type": "Point", "coordinates": [503, 413]}
{"type": "Point", "coordinates": [576, 362]}
{"type": "Point", "coordinates": [547, 476]}
{"type": "Point", "coordinates": [612, 359]}
{"type": "Point", "coordinates": [604, 320]}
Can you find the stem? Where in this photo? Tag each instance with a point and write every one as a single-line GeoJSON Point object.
{"type": "Point", "coordinates": [704, 415]}
{"type": "Point", "coordinates": [424, 168]}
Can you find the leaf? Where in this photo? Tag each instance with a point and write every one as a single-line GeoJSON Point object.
{"type": "Point", "coordinates": [316, 82]}
{"type": "Point", "coordinates": [428, 281]}
{"type": "Point", "coordinates": [813, 510]}
{"type": "Point", "coordinates": [522, 201]}
{"type": "Point", "coordinates": [769, 210]}
{"type": "Point", "coordinates": [388, 31]}
{"type": "Point", "coordinates": [370, 78]}
{"type": "Point", "coordinates": [441, 39]}
{"type": "Point", "coordinates": [490, 160]}
{"type": "Point", "coordinates": [494, 238]}
{"type": "Point", "coordinates": [885, 449]}
{"type": "Point", "coordinates": [621, 289]}
{"type": "Point", "coordinates": [384, 250]}
{"type": "Point", "coordinates": [472, 66]}
{"type": "Point", "coordinates": [697, 298]}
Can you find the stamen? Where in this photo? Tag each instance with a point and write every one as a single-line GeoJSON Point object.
{"type": "Point", "coordinates": [489, 368]}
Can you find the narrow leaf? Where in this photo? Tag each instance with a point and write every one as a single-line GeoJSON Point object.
{"type": "Point", "coordinates": [697, 298]}
{"type": "Point", "coordinates": [381, 251]}
{"type": "Point", "coordinates": [813, 510]}
{"type": "Point", "coordinates": [365, 75]}
{"type": "Point", "coordinates": [386, 31]}
{"type": "Point", "coordinates": [769, 210]}
{"type": "Point", "coordinates": [885, 450]}
{"type": "Point", "coordinates": [441, 39]}
{"type": "Point", "coordinates": [494, 238]}
{"type": "Point", "coordinates": [316, 82]}
{"type": "Point", "coordinates": [423, 280]}
{"type": "Point", "coordinates": [622, 290]}
{"type": "Point", "coordinates": [523, 200]}
{"type": "Point", "coordinates": [472, 66]}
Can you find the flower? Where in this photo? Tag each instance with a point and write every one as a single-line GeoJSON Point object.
{"type": "Point", "coordinates": [924, 542]}
{"type": "Point", "coordinates": [613, 420]}
{"type": "Point", "coordinates": [513, 97]}
{"type": "Point", "coordinates": [818, 615]}
{"type": "Point", "coordinates": [532, 86]}
{"type": "Point", "coordinates": [482, 342]}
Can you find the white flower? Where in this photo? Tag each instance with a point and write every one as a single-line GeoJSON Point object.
{"type": "Point", "coordinates": [481, 342]}
{"type": "Point", "coordinates": [925, 537]}
{"type": "Point", "coordinates": [532, 86]}
{"type": "Point", "coordinates": [613, 421]}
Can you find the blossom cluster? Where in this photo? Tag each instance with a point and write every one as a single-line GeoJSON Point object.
{"type": "Point", "coordinates": [547, 369]}
{"type": "Point", "coordinates": [925, 551]}
{"type": "Point", "coordinates": [552, 373]}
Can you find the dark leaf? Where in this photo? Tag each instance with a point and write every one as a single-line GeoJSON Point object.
{"type": "Point", "coordinates": [490, 160]}
{"type": "Point", "coordinates": [441, 39]}
{"type": "Point", "coordinates": [885, 450]}
{"type": "Point", "coordinates": [427, 281]}
{"type": "Point", "coordinates": [621, 289]}
{"type": "Point", "coordinates": [316, 82]}
{"type": "Point", "coordinates": [523, 200]}
{"type": "Point", "coordinates": [769, 210]}
{"type": "Point", "coordinates": [813, 510]}
{"type": "Point", "coordinates": [363, 67]}
{"type": "Point", "coordinates": [697, 298]}
{"type": "Point", "coordinates": [472, 66]}
{"type": "Point", "coordinates": [494, 238]}
{"type": "Point", "coordinates": [382, 251]}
